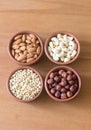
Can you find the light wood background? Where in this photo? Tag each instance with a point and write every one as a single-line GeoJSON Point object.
{"type": "Point", "coordinates": [45, 17]}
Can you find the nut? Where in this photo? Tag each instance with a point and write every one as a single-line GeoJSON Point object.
{"type": "Point", "coordinates": [17, 37]}
{"type": "Point", "coordinates": [30, 59]}
{"type": "Point", "coordinates": [21, 57]}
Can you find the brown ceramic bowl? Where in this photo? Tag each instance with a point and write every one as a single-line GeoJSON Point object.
{"type": "Point", "coordinates": [59, 62]}
{"type": "Point", "coordinates": [65, 68]}
{"type": "Point", "coordinates": [41, 79]}
{"type": "Point", "coordinates": [29, 63]}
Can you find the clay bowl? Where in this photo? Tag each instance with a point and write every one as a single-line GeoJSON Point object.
{"type": "Point", "coordinates": [21, 68]}
{"type": "Point", "coordinates": [60, 62]}
{"type": "Point", "coordinates": [65, 68]}
{"type": "Point", "coordinates": [28, 63]}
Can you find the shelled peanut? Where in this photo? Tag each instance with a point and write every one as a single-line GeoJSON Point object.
{"type": "Point", "coordinates": [25, 47]}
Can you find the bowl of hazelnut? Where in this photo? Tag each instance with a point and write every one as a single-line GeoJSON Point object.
{"type": "Point", "coordinates": [25, 48]}
{"type": "Point", "coordinates": [62, 48]}
{"type": "Point", "coordinates": [62, 83]}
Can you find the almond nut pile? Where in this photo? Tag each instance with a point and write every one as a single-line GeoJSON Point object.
{"type": "Point", "coordinates": [25, 47]}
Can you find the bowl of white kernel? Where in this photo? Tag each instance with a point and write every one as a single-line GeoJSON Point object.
{"type": "Point", "coordinates": [25, 84]}
{"type": "Point", "coordinates": [62, 48]}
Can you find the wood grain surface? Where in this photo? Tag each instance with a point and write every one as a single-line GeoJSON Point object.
{"type": "Point", "coordinates": [45, 17]}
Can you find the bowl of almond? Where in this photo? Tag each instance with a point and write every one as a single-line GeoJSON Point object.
{"type": "Point", "coordinates": [25, 48]}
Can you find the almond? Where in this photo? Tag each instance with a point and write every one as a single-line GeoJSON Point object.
{"type": "Point", "coordinates": [17, 51]}
{"type": "Point", "coordinates": [29, 46]}
{"type": "Point", "coordinates": [29, 55]}
{"type": "Point", "coordinates": [21, 57]}
{"type": "Point", "coordinates": [33, 37]}
{"type": "Point", "coordinates": [30, 59]}
{"type": "Point", "coordinates": [37, 42]}
{"type": "Point", "coordinates": [28, 38]}
{"type": "Point", "coordinates": [22, 44]}
{"type": "Point", "coordinates": [27, 41]}
{"type": "Point", "coordinates": [17, 37]}
{"type": "Point", "coordinates": [22, 48]}
{"type": "Point", "coordinates": [25, 52]}
{"type": "Point", "coordinates": [17, 42]}
{"type": "Point", "coordinates": [23, 37]}
{"type": "Point", "coordinates": [32, 49]}
{"type": "Point", "coordinates": [15, 46]}
{"type": "Point", "coordinates": [38, 50]}
{"type": "Point", "coordinates": [16, 56]}
{"type": "Point", "coordinates": [23, 61]}
{"type": "Point", "coordinates": [35, 56]}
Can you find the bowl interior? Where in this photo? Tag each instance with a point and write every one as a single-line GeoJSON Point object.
{"type": "Point", "coordinates": [10, 44]}
{"type": "Point", "coordinates": [63, 33]}
{"type": "Point", "coordinates": [40, 77]}
{"type": "Point", "coordinates": [65, 68]}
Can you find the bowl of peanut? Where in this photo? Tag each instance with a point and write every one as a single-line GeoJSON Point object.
{"type": "Point", "coordinates": [25, 48]}
{"type": "Point", "coordinates": [25, 84]}
{"type": "Point", "coordinates": [62, 48]}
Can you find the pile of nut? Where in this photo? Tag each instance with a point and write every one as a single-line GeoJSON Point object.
{"type": "Point", "coordinates": [25, 84]}
{"type": "Point", "coordinates": [62, 84]}
{"type": "Point", "coordinates": [62, 48]}
{"type": "Point", "coordinates": [25, 47]}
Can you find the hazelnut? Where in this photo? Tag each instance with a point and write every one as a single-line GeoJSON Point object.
{"type": "Point", "coordinates": [67, 87]}
{"type": "Point", "coordinates": [50, 81]}
{"type": "Point", "coordinates": [63, 83]}
{"type": "Point", "coordinates": [57, 78]}
{"type": "Point", "coordinates": [71, 82]}
{"type": "Point", "coordinates": [69, 77]}
{"type": "Point", "coordinates": [64, 74]}
{"type": "Point", "coordinates": [73, 89]}
{"type": "Point", "coordinates": [63, 90]}
{"type": "Point", "coordinates": [63, 96]}
{"type": "Point", "coordinates": [69, 72]}
{"type": "Point", "coordinates": [60, 72]}
{"type": "Point", "coordinates": [49, 86]}
{"type": "Point", "coordinates": [52, 75]}
{"type": "Point", "coordinates": [74, 76]}
{"type": "Point", "coordinates": [58, 87]}
{"type": "Point", "coordinates": [69, 94]}
{"type": "Point", "coordinates": [54, 84]}
{"type": "Point", "coordinates": [53, 91]}
{"type": "Point", "coordinates": [57, 94]}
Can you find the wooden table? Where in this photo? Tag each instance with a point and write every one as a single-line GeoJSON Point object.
{"type": "Point", "coordinates": [45, 17]}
